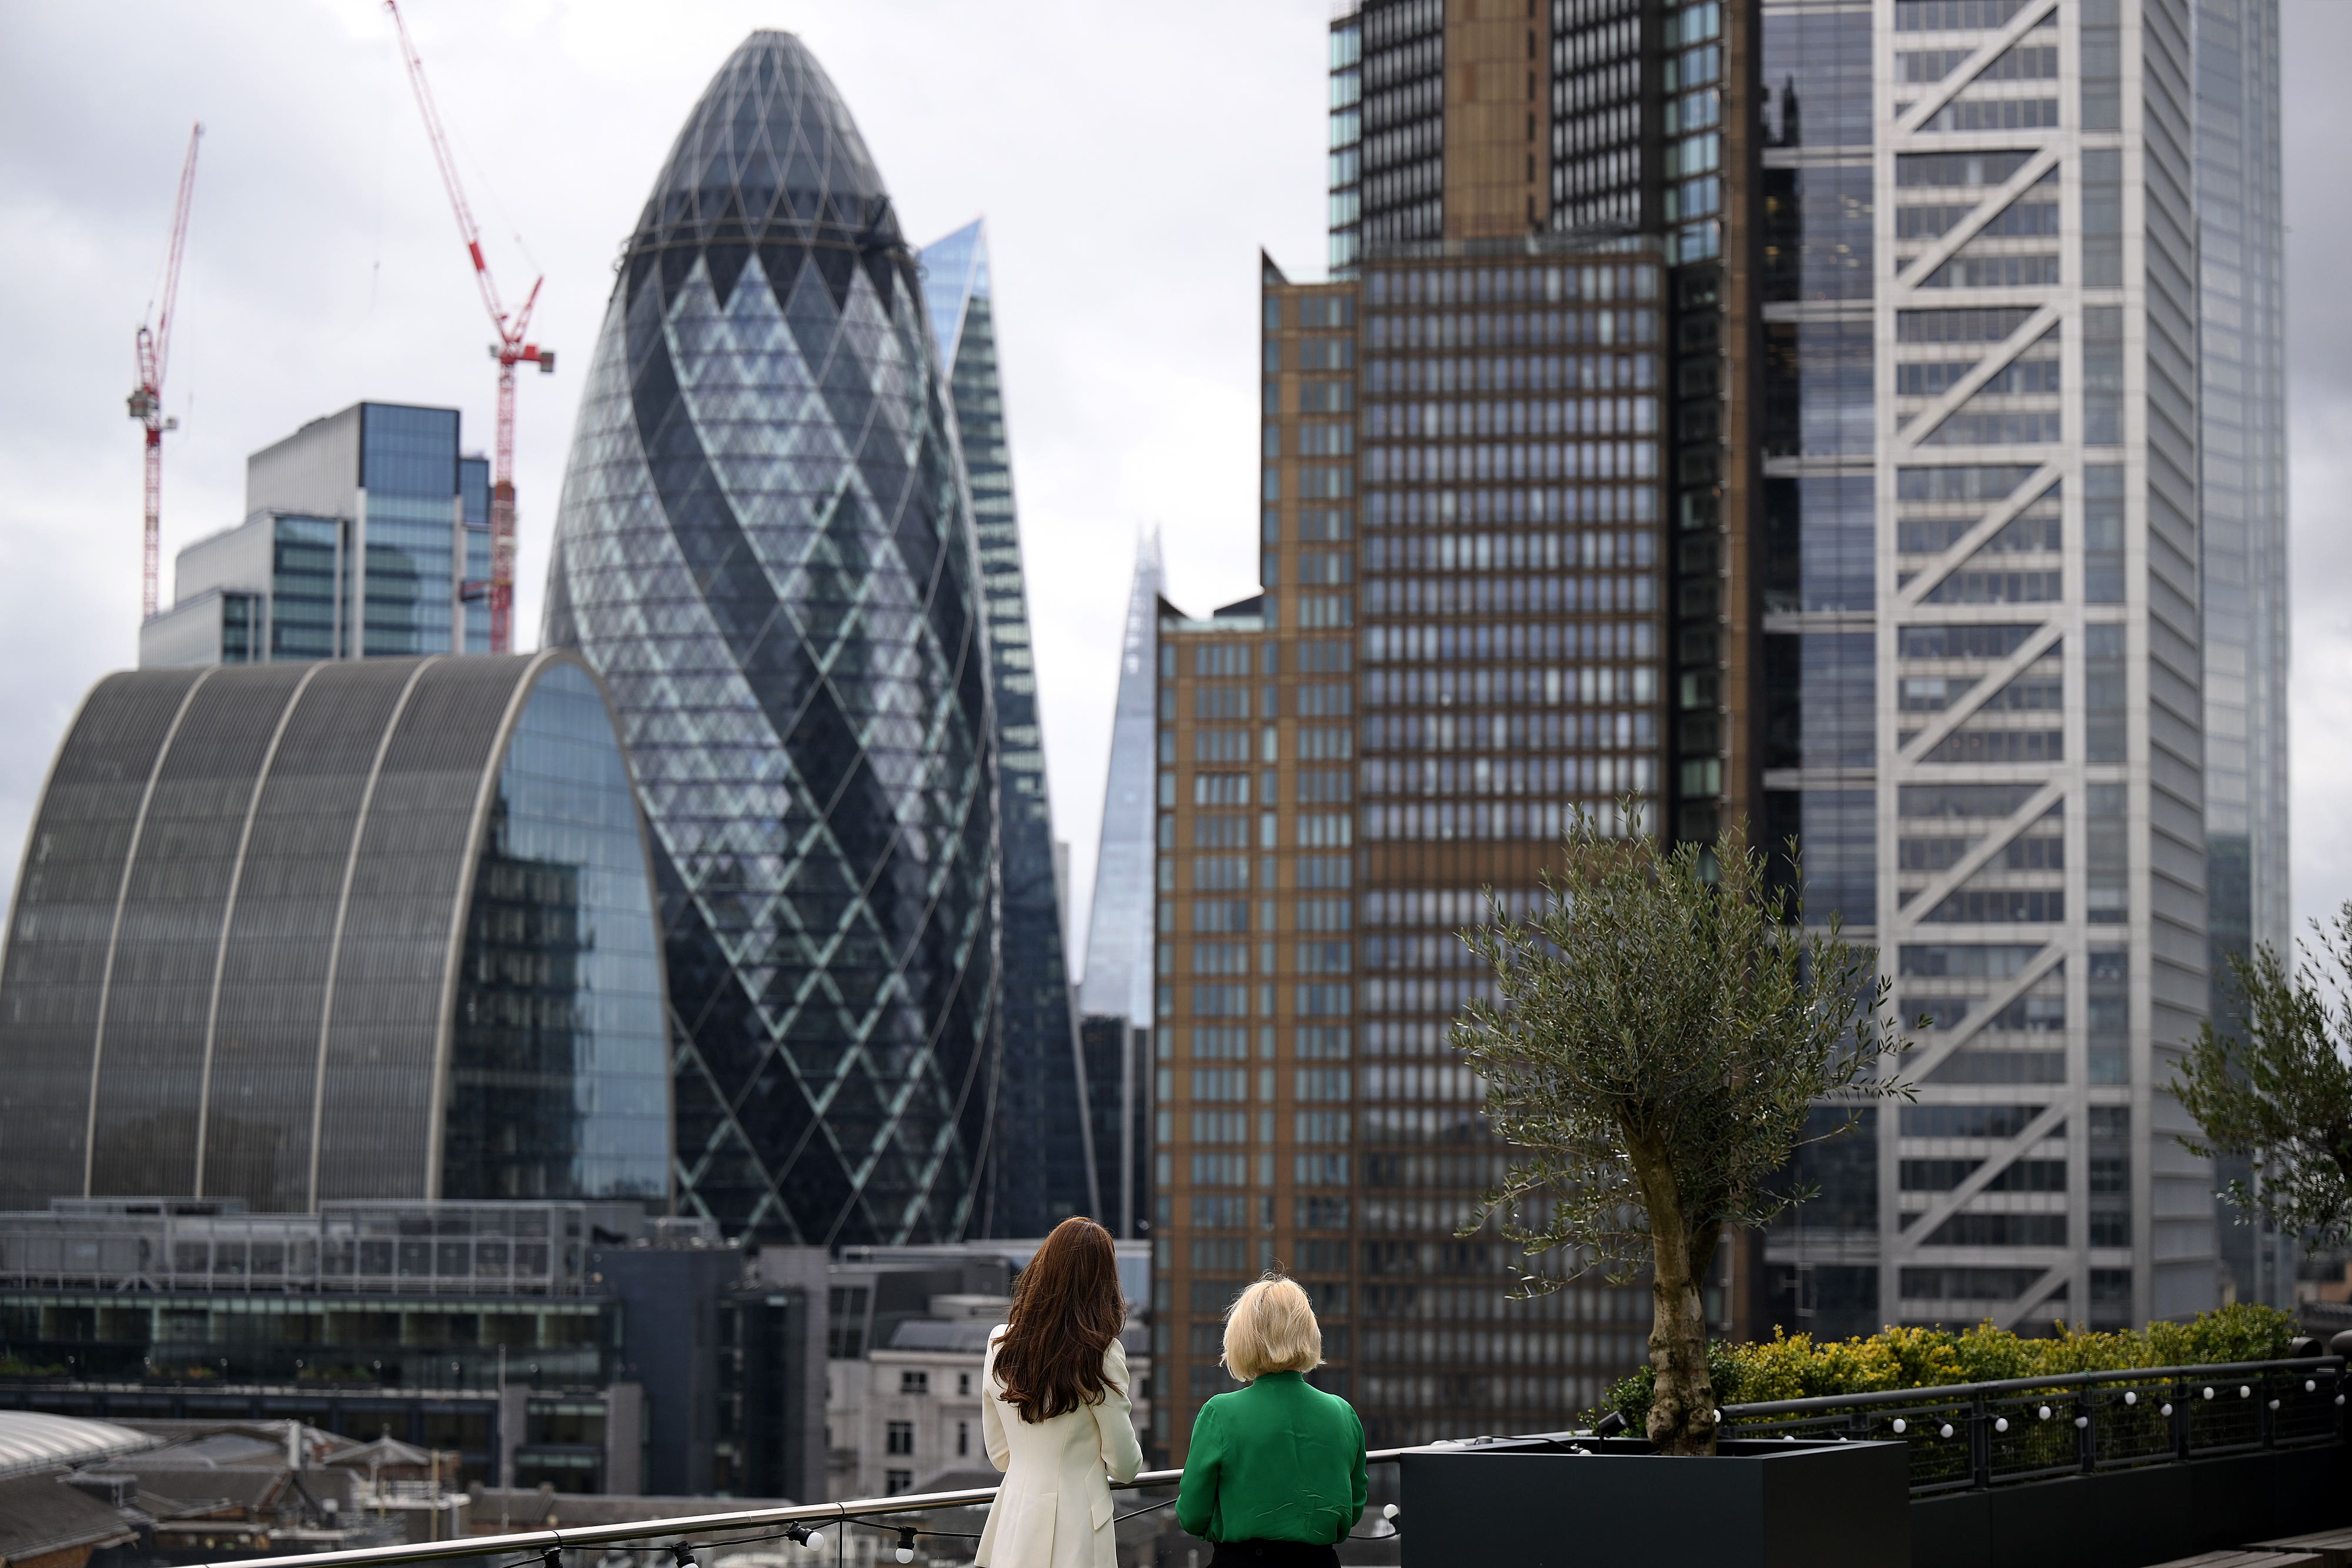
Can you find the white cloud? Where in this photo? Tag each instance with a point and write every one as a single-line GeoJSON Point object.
{"type": "Point", "coordinates": [1130, 163]}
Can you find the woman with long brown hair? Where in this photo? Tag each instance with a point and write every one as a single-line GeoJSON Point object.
{"type": "Point", "coordinates": [1056, 1413]}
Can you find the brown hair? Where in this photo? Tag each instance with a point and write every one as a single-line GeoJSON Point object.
{"type": "Point", "coordinates": [1066, 1310]}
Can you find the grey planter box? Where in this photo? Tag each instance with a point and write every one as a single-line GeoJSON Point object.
{"type": "Point", "coordinates": [1757, 1504]}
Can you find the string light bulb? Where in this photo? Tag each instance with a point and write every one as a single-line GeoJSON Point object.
{"type": "Point", "coordinates": [1389, 1511]}
{"type": "Point", "coordinates": [552, 1557]}
{"type": "Point", "coordinates": [2245, 1391]}
{"type": "Point", "coordinates": [2042, 1413]}
{"type": "Point", "coordinates": [2167, 1410]}
{"type": "Point", "coordinates": [1901, 1425]}
{"type": "Point", "coordinates": [802, 1535]}
{"type": "Point", "coordinates": [1945, 1430]}
{"type": "Point", "coordinates": [683, 1555]}
{"type": "Point", "coordinates": [906, 1551]}
{"type": "Point", "coordinates": [2001, 1422]}
{"type": "Point", "coordinates": [2131, 1396]}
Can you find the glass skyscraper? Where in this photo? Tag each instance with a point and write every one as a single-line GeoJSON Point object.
{"type": "Point", "coordinates": [2017, 700]}
{"type": "Point", "coordinates": [297, 932]}
{"type": "Point", "coordinates": [1823, 415]}
{"type": "Point", "coordinates": [366, 536]}
{"type": "Point", "coordinates": [765, 545]}
{"type": "Point", "coordinates": [1041, 1160]}
{"type": "Point", "coordinates": [1117, 982]}
{"type": "Point", "coordinates": [2242, 488]}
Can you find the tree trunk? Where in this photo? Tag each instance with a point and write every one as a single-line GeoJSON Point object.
{"type": "Point", "coordinates": [1682, 1404]}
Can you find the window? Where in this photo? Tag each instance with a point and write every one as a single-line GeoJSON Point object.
{"type": "Point", "coordinates": [900, 1439]}
{"type": "Point", "coordinates": [963, 1384]}
{"type": "Point", "coordinates": [914, 1382]}
{"type": "Point", "coordinates": [897, 1481]}
{"type": "Point", "coordinates": [964, 1428]}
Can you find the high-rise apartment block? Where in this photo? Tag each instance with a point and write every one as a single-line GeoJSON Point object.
{"type": "Point", "coordinates": [366, 535]}
{"type": "Point", "coordinates": [1804, 412]}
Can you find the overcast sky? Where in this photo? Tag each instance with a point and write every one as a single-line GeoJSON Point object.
{"type": "Point", "coordinates": [1130, 160]}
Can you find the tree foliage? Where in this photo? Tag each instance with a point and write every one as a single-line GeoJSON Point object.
{"type": "Point", "coordinates": [1798, 1366]}
{"type": "Point", "coordinates": [1661, 1028]}
{"type": "Point", "coordinates": [2278, 1088]}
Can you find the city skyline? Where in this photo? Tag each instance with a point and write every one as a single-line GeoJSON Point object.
{"type": "Point", "coordinates": [381, 235]}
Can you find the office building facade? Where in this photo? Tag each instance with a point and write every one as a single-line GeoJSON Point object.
{"type": "Point", "coordinates": [366, 535]}
{"type": "Point", "coordinates": [2242, 492]}
{"type": "Point", "coordinates": [1870, 479]}
{"type": "Point", "coordinates": [765, 547]}
{"type": "Point", "coordinates": [585, 1347]}
{"type": "Point", "coordinates": [1041, 1161]}
{"type": "Point", "coordinates": [291, 934]}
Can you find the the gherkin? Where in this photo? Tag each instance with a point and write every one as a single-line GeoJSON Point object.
{"type": "Point", "coordinates": [765, 547]}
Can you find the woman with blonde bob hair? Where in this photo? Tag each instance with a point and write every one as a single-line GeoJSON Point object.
{"type": "Point", "coordinates": [1055, 1417]}
{"type": "Point", "coordinates": [1276, 1473]}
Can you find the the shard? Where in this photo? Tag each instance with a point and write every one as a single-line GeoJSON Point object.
{"type": "Point", "coordinates": [1119, 929]}
{"type": "Point", "coordinates": [1041, 1155]}
{"type": "Point", "coordinates": [765, 547]}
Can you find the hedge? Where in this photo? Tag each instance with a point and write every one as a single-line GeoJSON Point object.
{"type": "Point", "coordinates": [1793, 1366]}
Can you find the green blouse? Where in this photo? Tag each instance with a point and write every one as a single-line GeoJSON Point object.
{"type": "Point", "coordinates": [1278, 1460]}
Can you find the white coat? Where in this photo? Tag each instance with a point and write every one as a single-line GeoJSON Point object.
{"type": "Point", "coordinates": [1054, 1510]}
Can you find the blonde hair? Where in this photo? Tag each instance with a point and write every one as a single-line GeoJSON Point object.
{"type": "Point", "coordinates": [1271, 1327]}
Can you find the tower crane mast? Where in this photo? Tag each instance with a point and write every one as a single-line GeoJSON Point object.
{"type": "Point", "coordinates": [509, 350]}
{"type": "Point", "coordinates": [154, 350]}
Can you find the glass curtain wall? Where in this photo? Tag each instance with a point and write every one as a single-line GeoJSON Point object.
{"type": "Point", "coordinates": [765, 547]}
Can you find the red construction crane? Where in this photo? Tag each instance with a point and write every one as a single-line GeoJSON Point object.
{"type": "Point", "coordinates": [509, 351]}
{"type": "Point", "coordinates": [154, 349]}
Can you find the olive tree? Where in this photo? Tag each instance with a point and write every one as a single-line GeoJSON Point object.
{"type": "Point", "coordinates": [2277, 1089]}
{"type": "Point", "coordinates": [1661, 1026]}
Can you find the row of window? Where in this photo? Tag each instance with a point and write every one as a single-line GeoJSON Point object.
{"type": "Point", "coordinates": [1593, 594]}
{"type": "Point", "coordinates": [1438, 331]}
{"type": "Point", "coordinates": [1402, 286]}
{"type": "Point", "coordinates": [1497, 373]}
{"type": "Point", "coordinates": [1542, 821]}
{"type": "Point", "coordinates": [1448, 420]}
{"type": "Point", "coordinates": [1313, 699]}
{"type": "Point", "coordinates": [1600, 730]}
{"type": "Point", "coordinates": [1511, 463]}
{"type": "Point", "coordinates": [1603, 777]}
{"type": "Point", "coordinates": [1440, 647]}
{"type": "Point", "coordinates": [1317, 743]}
{"type": "Point", "coordinates": [1510, 551]}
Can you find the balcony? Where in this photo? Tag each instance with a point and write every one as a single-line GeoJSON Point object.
{"type": "Point", "coordinates": [2115, 1469]}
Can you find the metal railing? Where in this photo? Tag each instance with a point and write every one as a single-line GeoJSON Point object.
{"type": "Point", "coordinates": [1974, 1436]}
{"type": "Point", "coordinates": [1963, 1436]}
{"type": "Point", "coordinates": [702, 1532]}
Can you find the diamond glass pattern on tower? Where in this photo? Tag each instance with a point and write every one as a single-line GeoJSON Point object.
{"type": "Point", "coordinates": [765, 546]}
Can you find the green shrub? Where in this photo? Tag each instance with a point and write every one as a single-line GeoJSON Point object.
{"type": "Point", "coordinates": [1795, 1367]}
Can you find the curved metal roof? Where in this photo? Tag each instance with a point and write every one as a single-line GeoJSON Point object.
{"type": "Point", "coordinates": [234, 958]}
{"type": "Point", "coordinates": [31, 1441]}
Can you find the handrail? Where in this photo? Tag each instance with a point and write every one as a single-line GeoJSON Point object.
{"type": "Point", "coordinates": [1953, 1393]}
{"type": "Point", "coordinates": [870, 1510]}
{"type": "Point", "coordinates": [853, 1511]}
